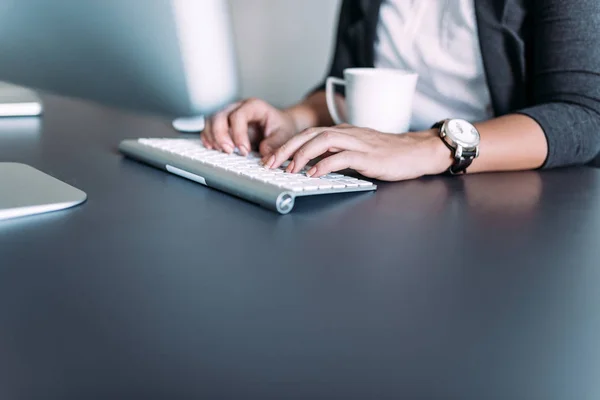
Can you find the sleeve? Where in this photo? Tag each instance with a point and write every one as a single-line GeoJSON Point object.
{"type": "Point", "coordinates": [565, 77]}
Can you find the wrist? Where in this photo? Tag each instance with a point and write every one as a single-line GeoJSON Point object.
{"type": "Point", "coordinates": [311, 112]}
{"type": "Point", "coordinates": [440, 156]}
{"type": "Point", "coordinates": [301, 116]}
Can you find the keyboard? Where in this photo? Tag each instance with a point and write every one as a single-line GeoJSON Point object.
{"type": "Point", "coordinates": [244, 177]}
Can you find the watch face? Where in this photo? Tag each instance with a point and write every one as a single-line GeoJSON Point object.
{"type": "Point", "coordinates": [462, 132]}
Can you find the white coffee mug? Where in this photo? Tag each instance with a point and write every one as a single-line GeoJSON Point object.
{"type": "Point", "coordinates": [376, 98]}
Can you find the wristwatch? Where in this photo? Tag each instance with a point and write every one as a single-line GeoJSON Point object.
{"type": "Point", "coordinates": [462, 138]}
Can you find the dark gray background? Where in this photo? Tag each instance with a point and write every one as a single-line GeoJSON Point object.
{"type": "Point", "coordinates": [482, 287]}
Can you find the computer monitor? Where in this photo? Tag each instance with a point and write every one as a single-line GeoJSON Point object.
{"type": "Point", "coordinates": [169, 57]}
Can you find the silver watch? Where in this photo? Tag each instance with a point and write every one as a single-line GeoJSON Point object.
{"type": "Point", "coordinates": [462, 138]}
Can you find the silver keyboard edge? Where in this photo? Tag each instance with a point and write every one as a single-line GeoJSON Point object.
{"type": "Point", "coordinates": [263, 194]}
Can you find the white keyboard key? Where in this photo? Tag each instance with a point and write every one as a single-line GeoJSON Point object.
{"type": "Point", "coordinates": [331, 177]}
{"type": "Point", "coordinates": [362, 183]}
{"type": "Point", "coordinates": [350, 184]}
{"type": "Point", "coordinates": [325, 185]}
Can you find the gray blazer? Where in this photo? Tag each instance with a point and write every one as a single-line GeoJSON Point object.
{"type": "Point", "coordinates": [541, 58]}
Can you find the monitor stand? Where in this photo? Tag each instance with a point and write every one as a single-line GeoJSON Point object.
{"type": "Point", "coordinates": [189, 125]}
{"type": "Point", "coordinates": [23, 189]}
{"type": "Point", "coordinates": [26, 191]}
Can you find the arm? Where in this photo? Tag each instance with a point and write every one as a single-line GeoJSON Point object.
{"type": "Point", "coordinates": [561, 127]}
{"type": "Point", "coordinates": [510, 143]}
{"type": "Point", "coordinates": [253, 121]}
{"type": "Point", "coordinates": [313, 111]}
{"type": "Point", "coordinates": [565, 77]}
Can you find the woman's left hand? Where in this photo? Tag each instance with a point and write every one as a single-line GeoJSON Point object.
{"type": "Point", "coordinates": [374, 154]}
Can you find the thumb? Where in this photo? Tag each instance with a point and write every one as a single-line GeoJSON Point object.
{"type": "Point", "coordinates": [272, 142]}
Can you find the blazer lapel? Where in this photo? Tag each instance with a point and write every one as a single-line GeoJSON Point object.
{"type": "Point", "coordinates": [502, 53]}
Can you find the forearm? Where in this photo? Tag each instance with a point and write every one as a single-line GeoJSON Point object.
{"type": "Point", "coordinates": [510, 143]}
{"type": "Point", "coordinates": [312, 111]}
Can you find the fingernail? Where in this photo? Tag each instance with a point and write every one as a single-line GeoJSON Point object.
{"type": "Point", "coordinates": [311, 171]}
{"type": "Point", "coordinates": [227, 148]}
{"type": "Point", "coordinates": [243, 150]}
{"type": "Point", "coordinates": [290, 167]}
{"type": "Point", "coordinates": [270, 161]}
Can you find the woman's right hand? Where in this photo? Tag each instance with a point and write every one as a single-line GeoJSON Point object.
{"type": "Point", "coordinates": [246, 123]}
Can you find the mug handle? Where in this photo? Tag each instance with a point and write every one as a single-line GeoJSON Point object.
{"type": "Point", "coordinates": [330, 97]}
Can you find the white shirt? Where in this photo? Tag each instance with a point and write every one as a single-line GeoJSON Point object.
{"type": "Point", "coordinates": [437, 39]}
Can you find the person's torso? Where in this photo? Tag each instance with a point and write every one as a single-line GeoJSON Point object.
{"type": "Point", "coordinates": [438, 40]}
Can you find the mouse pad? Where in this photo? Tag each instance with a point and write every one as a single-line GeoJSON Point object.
{"type": "Point", "coordinates": [26, 191]}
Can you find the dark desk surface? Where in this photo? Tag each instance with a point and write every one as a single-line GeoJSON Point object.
{"type": "Point", "coordinates": [484, 287]}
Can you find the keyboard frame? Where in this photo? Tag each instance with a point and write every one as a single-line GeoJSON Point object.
{"type": "Point", "coordinates": [262, 193]}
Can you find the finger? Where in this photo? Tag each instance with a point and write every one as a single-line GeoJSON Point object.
{"type": "Point", "coordinates": [220, 132]}
{"type": "Point", "coordinates": [206, 135]}
{"type": "Point", "coordinates": [250, 112]}
{"type": "Point", "coordinates": [321, 144]}
{"type": "Point", "coordinates": [337, 162]}
{"type": "Point", "coordinates": [209, 130]}
{"type": "Point", "coordinates": [205, 142]}
{"type": "Point", "coordinates": [286, 150]}
{"type": "Point", "coordinates": [272, 143]}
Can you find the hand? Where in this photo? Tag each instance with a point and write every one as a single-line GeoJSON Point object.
{"type": "Point", "coordinates": [374, 154]}
{"type": "Point", "coordinates": [245, 123]}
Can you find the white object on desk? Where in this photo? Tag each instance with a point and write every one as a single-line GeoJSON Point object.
{"type": "Point", "coordinates": [189, 125]}
{"type": "Point", "coordinates": [376, 98]}
{"type": "Point", "coordinates": [245, 177]}
{"type": "Point", "coordinates": [26, 191]}
{"type": "Point", "coordinates": [16, 101]}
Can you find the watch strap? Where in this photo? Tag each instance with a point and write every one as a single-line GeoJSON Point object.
{"type": "Point", "coordinates": [460, 164]}
{"type": "Point", "coordinates": [438, 125]}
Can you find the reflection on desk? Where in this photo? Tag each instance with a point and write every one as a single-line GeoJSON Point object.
{"type": "Point", "coordinates": [18, 126]}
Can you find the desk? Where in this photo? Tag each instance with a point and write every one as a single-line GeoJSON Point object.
{"type": "Point", "coordinates": [484, 287]}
